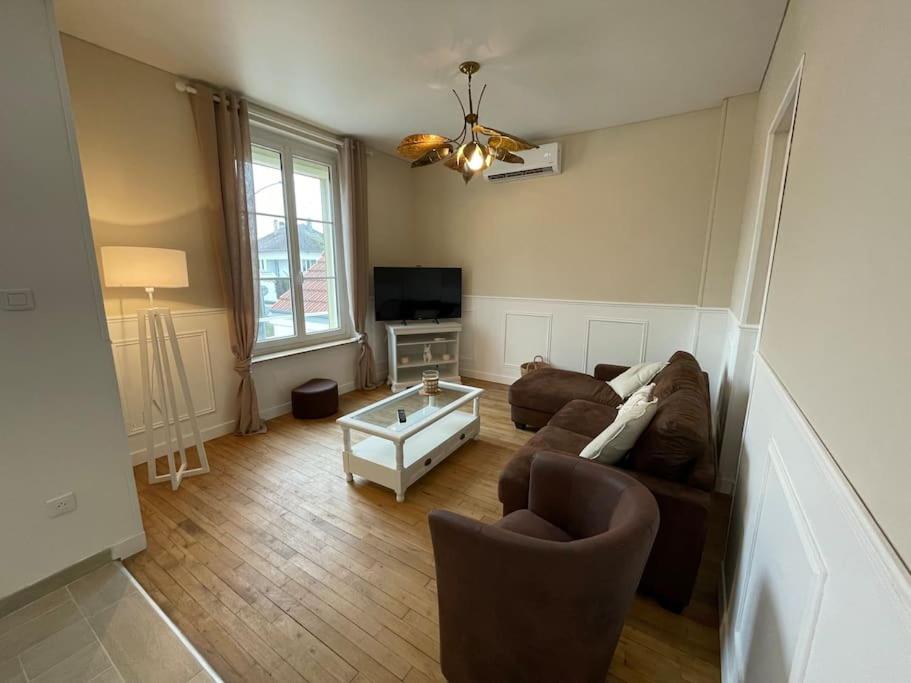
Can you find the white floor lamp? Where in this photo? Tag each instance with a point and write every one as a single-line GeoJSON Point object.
{"type": "Point", "coordinates": [149, 268]}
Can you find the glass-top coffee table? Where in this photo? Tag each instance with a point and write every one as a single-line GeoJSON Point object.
{"type": "Point", "coordinates": [397, 454]}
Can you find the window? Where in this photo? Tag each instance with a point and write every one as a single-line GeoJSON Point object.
{"type": "Point", "coordinates": [298, 255]}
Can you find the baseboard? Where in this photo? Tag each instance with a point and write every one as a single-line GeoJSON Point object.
{"type": "Point", "coordinates": [285, 408]}
{"type": "Point", "coordinates": [129, 546]}
{"type": "Point", "coordinates": [24, 596]}
{"type": "Point", "coordinates": [276, 411]}
{"type": "Point", "coordinates": [139, 456]}
{"type": "Point", "coordinates": [488, 376]}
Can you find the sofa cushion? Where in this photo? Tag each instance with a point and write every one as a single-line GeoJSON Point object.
{"type": "Point", "coordinates": [681, 372]}
{"type": "Point", "coordinates": [527, 523]}
{"type": "Point", "coordinates": [557, 439]}
{"type": "Point", "coordinates": [584, 417]}
{"type": "Point", "coordinates": [633, 417]}
{"type": "Point", "coordinates": [677, 435]}
{"type": "Point", "coordinates": [548, 389]}
{"type": "Point", "coordinates": [635, 377]}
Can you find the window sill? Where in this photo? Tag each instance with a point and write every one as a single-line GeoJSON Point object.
{"type": "Point", "coordinates": [303, 349]}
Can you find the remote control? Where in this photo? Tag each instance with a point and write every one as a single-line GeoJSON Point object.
{"type": "Point", "coordinates": [402, 415]}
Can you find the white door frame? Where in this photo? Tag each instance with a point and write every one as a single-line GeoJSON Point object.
{"type": "Point", "coordinates": [791, 95]}
{"type": "Point", "coordinates": [788, 101]}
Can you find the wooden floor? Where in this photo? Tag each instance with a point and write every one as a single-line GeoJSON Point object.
{"type": "Point", "coordinates": [274, 567]}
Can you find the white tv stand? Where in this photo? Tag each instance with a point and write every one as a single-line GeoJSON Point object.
{"type": "Point", "coordinates": [405, 345]}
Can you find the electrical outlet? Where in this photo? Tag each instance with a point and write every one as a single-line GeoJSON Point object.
{"type": "Point", "coordinates": [61, 504]}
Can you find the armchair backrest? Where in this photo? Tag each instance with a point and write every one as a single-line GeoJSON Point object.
{"type": "Point", "coordinates": [586, 499]}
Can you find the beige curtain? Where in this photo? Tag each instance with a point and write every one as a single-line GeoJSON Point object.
{"type": "Point", "coordinates": [354, 221]}
{"type": "Point", "coordinates": [223, 131]}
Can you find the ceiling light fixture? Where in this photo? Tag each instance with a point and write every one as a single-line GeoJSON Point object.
{"type": "Point", "coordinates": [465, 153]}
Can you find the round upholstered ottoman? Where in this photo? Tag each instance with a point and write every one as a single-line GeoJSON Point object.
{"type": "Point", "coordinates": [315, 398]}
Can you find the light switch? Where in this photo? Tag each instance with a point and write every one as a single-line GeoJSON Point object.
{"type": "Point", "coordinates": [17, 299]}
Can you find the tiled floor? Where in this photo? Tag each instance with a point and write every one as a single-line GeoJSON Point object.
{"type": "Point", "coordinates": [99, 628]}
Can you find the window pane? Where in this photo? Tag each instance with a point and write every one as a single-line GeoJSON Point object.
{"type": "Point", "coordinates": [276, 308]}
{"type": "Point", "coordinates": [312, 194]}
{"type": "Point", "coordinates": [267, 181]}
{"type": "Point", "coordinates": [320, 303]}
{"type": "Point", "coordinates": [315, 241]}
{"type": "Point", "coordinates": [276, 311]}
{"type": "Point", "coordinates": [317, 258]}
{"type": "Point", "coordinates": [272, 246]}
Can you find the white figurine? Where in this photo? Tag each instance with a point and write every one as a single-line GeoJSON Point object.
{"type": "Point", "coordinates": [427, 355]}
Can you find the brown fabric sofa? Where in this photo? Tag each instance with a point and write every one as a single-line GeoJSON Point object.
{"type": "Point", "coordinates": [675, 457]}
{"type": "Point", "coordinates": [542, 594]}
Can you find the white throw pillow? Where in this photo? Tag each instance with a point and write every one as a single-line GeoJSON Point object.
{"type": "Point", "coordinates": [637, 376]}
{"type": "Point", "coordinates": [633, 417]}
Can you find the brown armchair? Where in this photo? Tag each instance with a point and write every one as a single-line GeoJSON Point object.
{"type": "Point", "coordinates": [541, 595]}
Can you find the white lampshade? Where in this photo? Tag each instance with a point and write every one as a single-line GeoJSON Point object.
{"type": "Point", "coordinates": [144, 267]}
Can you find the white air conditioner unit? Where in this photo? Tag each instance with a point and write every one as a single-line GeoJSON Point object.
{"type": "Point", "coordinates": [543, 161]}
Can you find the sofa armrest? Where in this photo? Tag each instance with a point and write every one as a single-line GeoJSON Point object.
{"type": "Point", "coordinates": [515, 479]}
{"type": "Point", "coordinates": [670, 573]}
{"type": "Point", "coordinates": [606, 371]}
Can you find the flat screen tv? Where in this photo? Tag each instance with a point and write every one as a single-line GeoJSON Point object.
{"type": "Point", "coordinates": [417, 293]}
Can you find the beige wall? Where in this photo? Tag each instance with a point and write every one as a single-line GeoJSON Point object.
{"type": "Point", "coordinates": [837, 329]}
{"type": "Point", "coordinates": [626, 221]}
{"type": "Point", "coordinates": [390, 206]}
{"type": "Point", "coordinates": [732, 173]}
{"type": "Point", "coordinates": [142, 169]}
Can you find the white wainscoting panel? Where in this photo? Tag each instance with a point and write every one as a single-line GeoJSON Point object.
{"type": "Point", "coordinates": [733, 398]}
{"type": "Point", "coordinates": [204, 345]}
{"type": "Point", "coordinates": [194, 349]}
{"type": "Point", "coordinates": [811, 589]}
{"type": "Point", "coordinates": [502, 332]}
{"type": "Point", "coordinates": [525, 336]}
{"type": "Point", "coordinates": [711, 346]}
{"type": "Point", "coordinates": [615, 341]}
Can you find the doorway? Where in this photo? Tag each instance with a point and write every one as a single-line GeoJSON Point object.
{"type": "Point", "coordinates": [777, 155]}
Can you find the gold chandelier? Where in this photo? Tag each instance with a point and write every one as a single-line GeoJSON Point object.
{"type": "Point", "coordinates": [465, 153]}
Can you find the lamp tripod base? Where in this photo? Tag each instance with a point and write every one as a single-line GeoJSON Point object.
{"type": "Point", "coordinates": [156, 332]}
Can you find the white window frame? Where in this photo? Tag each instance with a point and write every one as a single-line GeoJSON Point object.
{"type": "Point", "coordinates": [290, 146]}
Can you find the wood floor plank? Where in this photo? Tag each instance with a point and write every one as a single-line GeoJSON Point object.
{"type": "Point", "coordinates": [277, 569]}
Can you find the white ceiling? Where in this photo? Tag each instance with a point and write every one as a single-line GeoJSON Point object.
{"type": "Point", "coordinates": [381, 69]}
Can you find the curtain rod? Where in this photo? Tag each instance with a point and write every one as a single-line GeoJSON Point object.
{"type": "Point", "coordinates": [269, 117]}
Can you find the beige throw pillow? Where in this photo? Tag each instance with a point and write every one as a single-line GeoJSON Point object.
{"type": "Point", "coordinates": [611, 445]}
{"type": "Point", "coordinates": [636, 377]}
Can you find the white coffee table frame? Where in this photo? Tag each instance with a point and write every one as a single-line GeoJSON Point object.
{"type": "Point", "coordinates": [399, 455]}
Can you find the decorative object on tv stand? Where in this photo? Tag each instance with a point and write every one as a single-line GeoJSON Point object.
{"type": "Point", "coordinates": [428, 355]}
{"type": "Point", "coordinates": [430, 381]}
{"type": "Point", "coordinates": [465, 153]}
{"type": "Point", "coordinates": [151, 268]}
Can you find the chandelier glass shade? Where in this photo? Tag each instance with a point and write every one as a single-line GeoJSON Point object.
{"type": "Point", "coordinates": [466, 153]}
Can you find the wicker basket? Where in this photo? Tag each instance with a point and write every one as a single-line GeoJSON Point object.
{"type": "Point", "coordinates": [536, 363]}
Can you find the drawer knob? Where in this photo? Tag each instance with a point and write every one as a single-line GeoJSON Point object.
{"type": "Point", "coordinates": [427, 462]}
{"type": "Point", "coordinates": [461, 436]}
